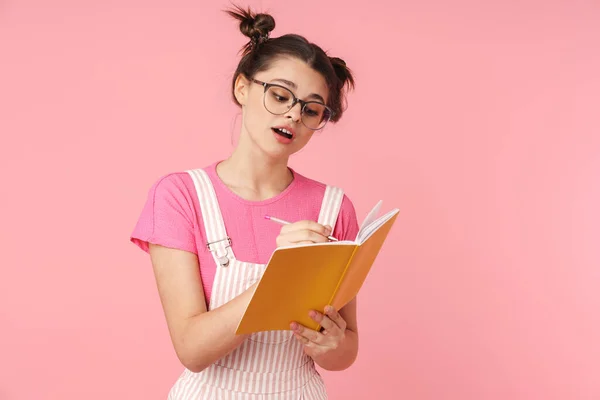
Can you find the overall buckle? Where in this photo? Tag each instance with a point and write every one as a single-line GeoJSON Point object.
{"type": "Point", "coordinates": [223, 260]}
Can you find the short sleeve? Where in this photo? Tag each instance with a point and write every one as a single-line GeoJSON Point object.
{"type": "Point", "coordinates": [167, 217]}
{"type": "Point", "coordinates": [346, 227]}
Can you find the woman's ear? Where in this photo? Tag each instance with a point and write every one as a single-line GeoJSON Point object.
{"type": "Point", "coordinates": [242, 85]}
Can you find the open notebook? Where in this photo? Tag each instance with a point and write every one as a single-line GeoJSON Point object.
{"type": "Point", "coordinates": [310, 276]}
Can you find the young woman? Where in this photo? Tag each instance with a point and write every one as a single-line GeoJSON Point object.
{"type": "Point", "coordinates": [209, 242]}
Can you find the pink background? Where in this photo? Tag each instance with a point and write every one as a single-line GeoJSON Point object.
{"type": "Point", "coordinates": [480, 122]}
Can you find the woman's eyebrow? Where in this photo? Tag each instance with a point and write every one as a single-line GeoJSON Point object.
{"type": "Point", "coordinates": [295, 87]}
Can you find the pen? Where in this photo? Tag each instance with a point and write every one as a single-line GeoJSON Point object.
{"type": "Point", "coordinates": [282, 222]}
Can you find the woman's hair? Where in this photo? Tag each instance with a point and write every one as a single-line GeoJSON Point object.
{"type": "Point", "coordinates": [261, 51]}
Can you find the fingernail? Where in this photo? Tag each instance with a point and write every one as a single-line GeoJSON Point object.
{"type": "Point", "coordinates": [329, 309]}
{"type": "Point", "coordinates": [294, 325]}
{"type": "Point", "coordinates": [312, 314]}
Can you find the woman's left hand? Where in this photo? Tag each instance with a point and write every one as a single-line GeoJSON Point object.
{"type": "Point", "coordinates": [318, 343]}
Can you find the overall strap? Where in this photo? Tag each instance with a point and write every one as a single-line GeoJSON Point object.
{"type": "Point", "coordinates": [330, 207]}
{"type": "Point", "coordinates": [218, 242]}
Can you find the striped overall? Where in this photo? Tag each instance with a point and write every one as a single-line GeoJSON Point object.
{"type": "Point", "coordinates": [267, 365]}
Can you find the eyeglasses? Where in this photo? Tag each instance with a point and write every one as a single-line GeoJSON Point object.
{"type": "Point", "coordinates": [278, 100]}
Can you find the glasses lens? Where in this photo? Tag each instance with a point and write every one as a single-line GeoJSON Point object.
{"type": "Point", "coordinates": [278, 100]}
{"type": "Point", "coordinates": [315, 115]}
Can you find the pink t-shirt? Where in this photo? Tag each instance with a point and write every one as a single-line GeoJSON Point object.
{"type": "Point", "coordinates": [172, 218]}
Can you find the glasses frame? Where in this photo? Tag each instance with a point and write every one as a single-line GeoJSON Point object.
{"type": "Point", "coordinates": [267, 85]}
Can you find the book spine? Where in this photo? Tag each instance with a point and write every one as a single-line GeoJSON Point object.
{"type": "Point", "coordinates": [343, 276]}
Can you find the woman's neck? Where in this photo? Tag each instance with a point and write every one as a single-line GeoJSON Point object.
{"type": "Point", "coordinates": [254, 176]}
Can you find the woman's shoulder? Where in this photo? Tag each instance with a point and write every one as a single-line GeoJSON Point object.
{"type": "Point", "coordinates": [319, 187]}
{"type": "Point", "coordinates": [313, 184]}
{"type": "Point", "coordinates": [168, 215]}
{"type": "Point", "coordinates": [171, 184]}
{"type": "Point", "coordinates": [177, 182]}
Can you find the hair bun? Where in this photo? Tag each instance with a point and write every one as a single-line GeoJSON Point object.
{"type": "Point", "coordinates": [342, 72]}
{"type": "Point", "coordinates": [255, 26]}
{"type": "Point", "coordinates": [337, 61]}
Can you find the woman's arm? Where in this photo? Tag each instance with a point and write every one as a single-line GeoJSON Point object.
{"type": "Point", "coordinates": [200, 337]}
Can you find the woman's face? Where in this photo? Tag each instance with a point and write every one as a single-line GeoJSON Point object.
{"type": "Point", "coordinates": [281, 135]}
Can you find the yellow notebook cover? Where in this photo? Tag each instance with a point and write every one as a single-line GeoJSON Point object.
{"type": "Point", "coordinates": [309, 277]}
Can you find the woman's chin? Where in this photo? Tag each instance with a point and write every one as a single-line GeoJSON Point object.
{"type": "Point", "coordinates": [278, 151]}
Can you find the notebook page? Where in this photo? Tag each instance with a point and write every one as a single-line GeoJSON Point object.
{"type": "Point", "coordinates": [369, 219]}
{"type": "Point", "coordinates": [368, 230]}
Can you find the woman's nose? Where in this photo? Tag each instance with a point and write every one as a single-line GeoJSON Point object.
{"type": "Point", "coordinates": [295, 113]}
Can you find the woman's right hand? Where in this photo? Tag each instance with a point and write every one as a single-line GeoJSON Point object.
{"type": "Point", "coordinates": [303, 232]}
